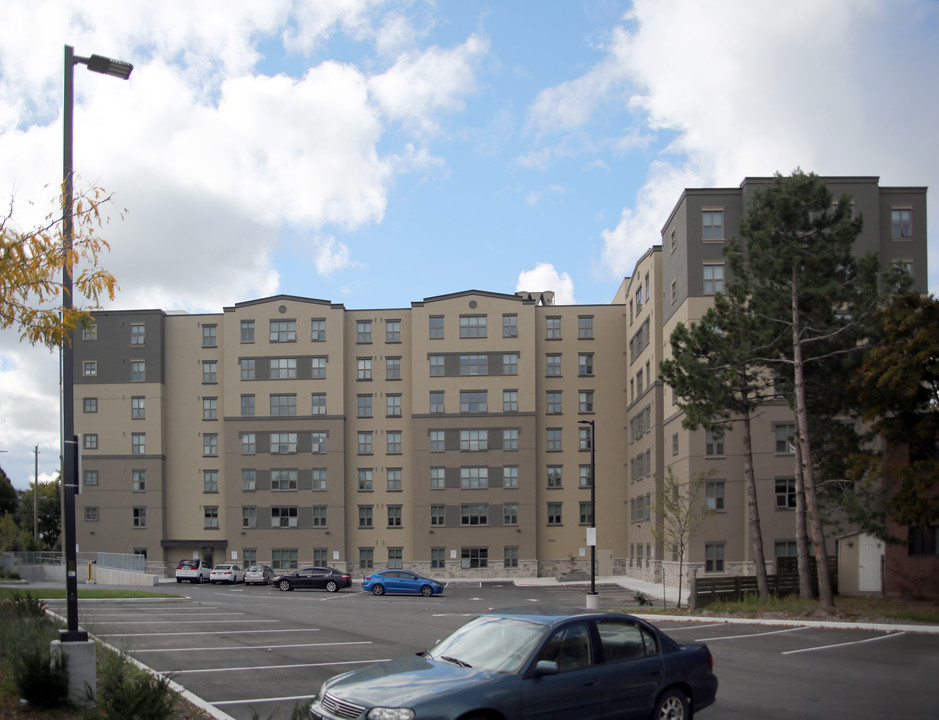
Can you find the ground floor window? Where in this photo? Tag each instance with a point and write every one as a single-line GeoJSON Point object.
{"type": "Point", "coordinates": [438, 557]}
{"type": "Point", "coordinates": [785, 548]}
{"type": "Point", "coordinates": [511, 557]}
{"type": "Point", "coordinates": [249, 556]}
{"type": "Point", "coordinates": [924, 540]}
{"type": "Point", "coordinates": [714, 557]}
{"type": "Point", "coordinates": [320, 556]}
{"type": "Point", "coordinates": [474, 557]}
{"type": "Point", "coordinates": [366, 558]}
{"type": "Point", "coordinates": [284, 558]}
{"type": "Point", "coordinates": [395, 558]}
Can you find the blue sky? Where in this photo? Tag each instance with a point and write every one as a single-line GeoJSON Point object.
{"type": "Point", "coordinates": [376, 152]}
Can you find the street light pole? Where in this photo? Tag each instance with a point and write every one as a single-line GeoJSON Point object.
{"type": "Point", "coordinates": [593, 503]}
{"type": "Point", "coordinates": [122, 70]}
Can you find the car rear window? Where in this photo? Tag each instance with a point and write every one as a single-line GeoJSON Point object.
{"type": "Point", "coordinates": [188, 563]}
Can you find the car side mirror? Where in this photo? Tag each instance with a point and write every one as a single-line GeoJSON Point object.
{"type": "Point", "coordinates": [546, 667]}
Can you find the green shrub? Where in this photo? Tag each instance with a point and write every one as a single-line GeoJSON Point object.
{"type": "Point", "coordinates": [642, 598]}
{"type": "Point", "coordinates": [40, 677]}
{"type": "Point", "coordinates": [126, 692]}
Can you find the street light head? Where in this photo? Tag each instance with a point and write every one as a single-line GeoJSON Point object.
{"type": "Point", "coordinates": [107, 66]}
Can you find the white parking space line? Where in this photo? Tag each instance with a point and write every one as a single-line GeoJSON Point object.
{"type": "Point", "coordinates": [752, 635]}
{"type": "Point", "coordinates": [266, 648]}
{"type": "Point", "coordinates": [199, 614]}
{"type": "Point", "coordinates": [175, 634]}
{"type": "Point", "coordinates": [189, 622]}
{"type": "Point", "coordinates": [287, 698]}
{"type": "Point", "coordinates": [689, 627]}
{"type": "Point", "coordinates": [888, 636]}
{"type": "Point", "coordinates": [254, 668]}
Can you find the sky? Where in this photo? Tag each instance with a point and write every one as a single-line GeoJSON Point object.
{"type": "Point", "coordinates": [377, 152]}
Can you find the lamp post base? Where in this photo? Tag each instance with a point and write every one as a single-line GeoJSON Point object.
{"type": "Point", "coordinates": [593, 601]}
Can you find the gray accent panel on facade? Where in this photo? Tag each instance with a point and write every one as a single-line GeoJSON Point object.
{"type": "Point", "coordinates": [495, 516]}
{"type": "Point", "coordinates": [452, 478]}
{"type": "Point", "coordinates": [305, 516]}
{"type": "Point", "coordinates": [304, 479]}
{"type": "Point", "coordinates": [113, 352]}
{"type": "Point", "coordinates": [263, 480]}
{"type": "Point", "coordinates": [262, 442]}
{"type": "Point", "coordinates": [451, 516]}
{"type": "Point", "coordinates": [264, 517]}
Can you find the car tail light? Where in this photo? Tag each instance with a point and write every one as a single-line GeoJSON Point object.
{"type": "Point", "coordinates": [710, 662]}
{"type": "Point", "coordinates": [367, 577]}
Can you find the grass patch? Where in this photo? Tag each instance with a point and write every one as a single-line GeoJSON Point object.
{"type": "Point", "coordinates": [85, 593]}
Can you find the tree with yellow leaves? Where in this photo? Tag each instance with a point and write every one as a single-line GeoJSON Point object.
{"type": "Point", "coordinates": [31, 272]}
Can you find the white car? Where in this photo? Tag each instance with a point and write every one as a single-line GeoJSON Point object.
{"type": "Point", "coordinates": [195, 571]}
{"type": "Point", "coordinates": [228, 572]}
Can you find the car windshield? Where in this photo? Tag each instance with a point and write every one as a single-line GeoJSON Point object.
{"type": "Point", "coordinates": [493, 644]}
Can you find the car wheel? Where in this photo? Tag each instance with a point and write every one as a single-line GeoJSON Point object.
{"type": "Point", "coordinates": [331, 586]}
{"type": "Point", "coordinates": [427, 591]}
{"type": "Point", "coordinates": [179, 580]}
{"type": "Point", "coordinates": [673, 705]}
{"type": "Point", "coordinates": [378, 590]}
{"type": "Point", "coordinates": [284, 585]}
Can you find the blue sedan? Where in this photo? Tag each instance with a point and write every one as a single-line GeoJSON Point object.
{"type": "Point", "coordinates": [514, 667]}
{"type": "Point", "coordinates": [400, 581]}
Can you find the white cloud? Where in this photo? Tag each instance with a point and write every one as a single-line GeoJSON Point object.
{"type": "Point", "coordinates": [543, 277]}
{"type": "Point", "coordinates": [331, 256]}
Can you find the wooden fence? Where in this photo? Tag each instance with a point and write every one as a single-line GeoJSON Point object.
{"type": "Point", "coordinates": [705, 590]}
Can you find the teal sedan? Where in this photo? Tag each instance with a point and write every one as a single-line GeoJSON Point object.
{"type": "Point", "coordinates": [514, 667]}
{"type": "Point", "coordinates": [400, 582]}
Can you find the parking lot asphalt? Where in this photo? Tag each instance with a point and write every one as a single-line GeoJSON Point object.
{"type": "Point", "coordinates": [246, 650]}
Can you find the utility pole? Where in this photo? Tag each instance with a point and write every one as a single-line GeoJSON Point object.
{"type": "Point", "coordinates": [36, 499]}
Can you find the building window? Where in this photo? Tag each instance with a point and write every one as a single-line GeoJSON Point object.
{"type": "Point", "coordinates": [394, 516]}
{"type": "Point", "coordinates": [247, 369]}
{"type": "Point", "coordinates": [91, 513]}
{"type": "Point", "coordinates": [317, 403]}
{"type": "Point", "coordinates": [393, 442]}
{"type": "Point", "coordinates": [283, 517]}
{"type": "Point", "coordinates": [89, 368]}
{"type": "Point", "coordinates": [283, 368]}
{"type": "Point", "coordinates": [284, 479]}
{"type": "Point", "coordinates": [393, 405]}
{"type": "Point", "coordinates": [366, 558]}
{"type": "Point", "coordinates": [90, 332]}
{"type": "Point", "coordinates": [436, 365]}
{"type": "Point", "coordinates": [474, 515]}
{"type": "Point", "coordinates": [365, 516]}
{"type": "Point", "coordinates": [714, 557]}
{"type": "Point", "coordinates": [438, 478]}
{"type": "Point", "coordinates": [318, 367]}
{"type": "Point", "coordinates": [923, 540]}
{"type": "Point", "coordinates": [209, 336]}
{"type": "Point", "coordinates": [714, 494]}
{"type": "Point", "coordinates": [673, 242]}
{"type": "Point", "coordinates": [436, 401]}
{"type": "Point", "coordinates": [713, 279]}
{"type": "Point", "coordinates": [284, 558]}
{"type": "Point", "coordinates": [248, 444]}
{"type": "Point", "coordinates": [393, 331]}
{"type": "Point", "coordinates": [510, 476]}
{"type": "Point", "coordinates": [511, 556]}
{"type": "Point", "coordinates": [553, 406]}
{"type": "Point", "coordinates": [363, 368]}
{"type": "Point", "coordinates": [555, 476]}
{"type": "Point", "coordinates": [474, 557]}
{"type": "Point", "coordinates": [394, 479]}
{"type": "Point", "coordinates": [363, 331]}
{"type": "Point", "coordinates": [210, 481]}
{"type": "Point", "coordinates": [553, 365]}
{"type": "Point", "coordinates": [438, 557]}
{"type": "Point", "coordinates": [364, 406]}
{"type": "Point", "coordinates": [473, 401]}
{"type": "Point", "coordinates": [583, 438]}
{"type": "Point", "coordinates": [554, 439]}
{"type": "Point", "coordinates": [474, 365]}
{"type": "Point", "coordinates": [713, 445]}
{"type": "Point", "coordinates": [138, 334]}
{"type": "Point", "coordinates": [283, 443]}
{"type": "Point", "coordinates": [712, 225]}
{"type": "Point", "coordinates": [318, 442]}
{"type": "Point", "coordinates": [586, 513]}
{"type": "Point", "coordinates": [365, 442]}
{"type": "Point", "coordinates": [90, 405]}
{"type": "Point", "coordinates": [395, 561]}
{"type": "Point", "coordinates": [474, 440]}
{"type": "Point", "coordinates": [283, 331]}
{"type": "Point", "coordinates": [585, 401]}
{"type": "Point", "coordinates": [554, 513]}
{"type": "Point", "coordinates": [247, 405]}
{"type": "Point", "coordinates": [392, 368]}
{"type": "Point", "coordinates": [785, 493]}
{"type": "Point", "coordinates": [438, 441]}
{"type": "Point", "coordinates": [209, 372]}
{"type": "Point", "coordinates": [138, 407]}
{"type": "Point", "coordinates": [639, 300]}
{"type": "Point", "coordinates": [249, 517]}
{"type": "Point", "coordinates": [209, 408]}
{"type": "Point", "coordinates": [90, 477]}
{"type": "Point", "coordinates": [585, 364]}
{"type": "Point", "coordinates": [674, 443]}
{"type": "Point", "coordinates": [472, 326]}
{"type": "Point", "coordinates": [510, 363]}
{"type": "Point", "coordinates": [436, 326]}
{"type": "Point", "coordinates": [510, 325]}
{"type": "Point", "coordinates": [139, 515]}
{"type": "Point", "coordinates": [583, 475]}
{"type": "Point", "coordinates": [553, 328]}
{"type": "Point", "coordinates": [249, 480]}
{"type": "Point", "coordinates": [585, 327]}
{"type": "Point", "coordinates": [319, 516]}
{"type": "Point", "coordinates": [785, 548]}
{"type": "Point", "coordinates": [472, 478]}
{"type": "Point", "coordinates": [210, 444]}
{"type": "Point", "coordinates": [510, 513]}
{"type": "Point", "coordinates": [247, 331]}
{"type": "Point", "coordinates": [249, 556]}
{"type": "Point", "coordinates": [138, 479]}
{"type": "Point", "coordinates": [318, 476]}
{"type": "Point", "coordinates": [437, 515]}
{"type": "Point", "coordinates": [674, 291]}
{"type": "Point", "coordinates": [318, 330]}
{"type": "Point", "coordinates": [510, 401]}
{"type": "Point", "coordinates": [785, 437]}
{"type": "Point", "coordinates": [138, 371]}
{"type": "Point", "coordinates": [510, 439]}
{"type": "Point", "coordinates": [138, 443]}
{"type": "Point", "coordinates": [901, 223]}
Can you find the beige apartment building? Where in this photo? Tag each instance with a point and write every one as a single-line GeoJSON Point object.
{"type": "Point", "coordinates": [451, 437]}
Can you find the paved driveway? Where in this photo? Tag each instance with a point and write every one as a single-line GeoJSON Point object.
{"type": "Point", "coordinates": [247, 650]}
